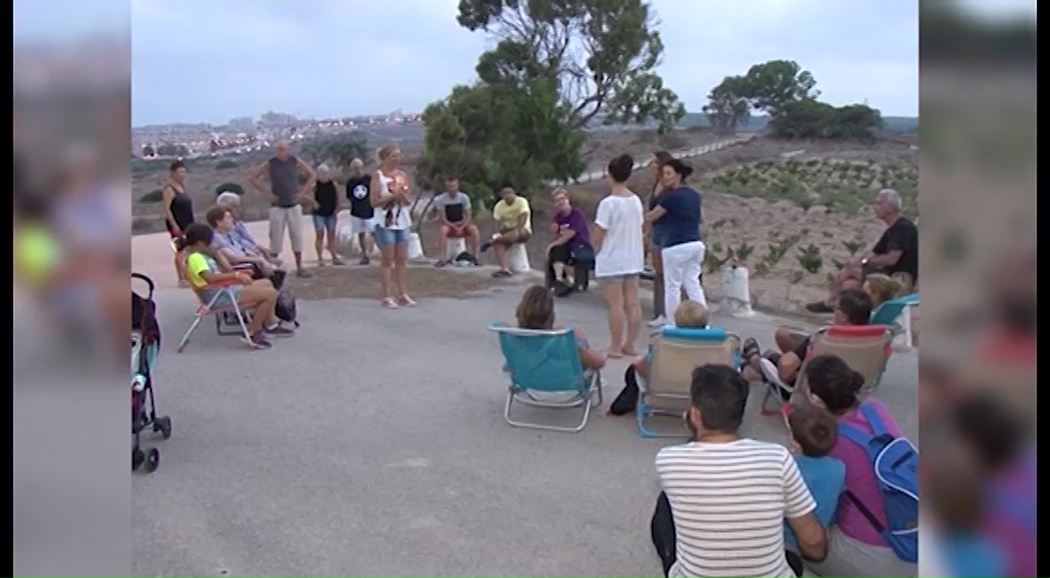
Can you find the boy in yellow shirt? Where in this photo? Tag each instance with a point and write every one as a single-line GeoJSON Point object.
{"type": "Point", "coordinates": [514, 222]}
{"type": "Point", "coordinates": [207, 280]}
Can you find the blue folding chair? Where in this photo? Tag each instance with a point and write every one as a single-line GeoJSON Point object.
{"type": "Point", "coordinates": [896, 313]}
{"type": "Point", "coordinates": [545, 371]}
{"type": "Point", "coordinates": [675, 353]}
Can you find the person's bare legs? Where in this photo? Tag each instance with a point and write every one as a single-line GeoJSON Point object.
{"type": "Point", "coordinates": [789, 338]}
{"type": "Point", "coordinates": [263, 297]}
{"type": "Point", "coordinates": [613, 291]}
{"type": "Point", "coordinates": [330, 233]}
{"type": "Point", "coordinates": [473, 240]}
{"type": "Point", "coordinates": [386, 266]}
{"type": "Point", "coordinates": [501, 245]}
{"type": "Point", "coordinates": [633, 309]}
{"type": "Point", "coordinates": [366, 247]}
{"type": "Point", "coordinates": [559, 270]}
{"type": "Point", "coordinates": [319, 245]}
{"type": "Point", "coordinates": [401, 273]}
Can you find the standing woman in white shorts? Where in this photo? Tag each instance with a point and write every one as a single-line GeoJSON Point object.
{"type": "Point", "coordinates": [620, 244]}
{"type": "Point", "coordinates": [361, 212]}
{"type": "Point", "coordinates": [393, 222]}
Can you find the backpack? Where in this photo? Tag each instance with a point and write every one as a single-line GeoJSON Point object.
{"type": "Point", "coordinates": [896, 463]}
{"type": "Point", "coordinates": [627, 401]}
{"type": "Point", "coordinates": [286, 310]}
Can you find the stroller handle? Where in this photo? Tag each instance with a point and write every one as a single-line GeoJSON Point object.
{"type": "Point", "coordinates": [149, 282]}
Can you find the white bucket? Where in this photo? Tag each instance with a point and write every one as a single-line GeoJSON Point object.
{"type": "Point", "coordinates": [455, 247]}
{"type": "Point", "coordinates": [346, 242]}
{"type": "Point", "coordinates": [518, 258]}
{"type": "Point", "coordinates": [736, 287]}
{"type": "Point", "coordinates": [415, 248]}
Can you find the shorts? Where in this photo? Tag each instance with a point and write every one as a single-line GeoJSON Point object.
{"type": "Point", "coordinates": [454, 232]}
{"type": "Point", "coordinates": [359, 225]}
{"type": "Point", "coordinates": [619, 276]}
{"type": "Point", "coordinates": [226, 296]}
{"type": "Point", "coordinates": [560, 254]}
{"type": "Point", "coordinates": [286, 219]}
{"type": "Point", "coordinates": [523, 237]}
{"type": "Point", "coordinates": [390, 237]}
{"type": "Point", "coordinates": [322, 222]}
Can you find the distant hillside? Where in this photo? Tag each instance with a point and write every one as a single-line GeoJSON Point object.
{"type": "Point", "coordinates": [893, 124]}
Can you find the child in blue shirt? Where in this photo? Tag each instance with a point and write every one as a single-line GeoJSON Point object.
{"type": "Point", "coordinates": [813, 434]}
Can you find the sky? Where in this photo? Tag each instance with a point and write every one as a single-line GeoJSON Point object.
{"type": "Point", "coordinates": [213, 60]}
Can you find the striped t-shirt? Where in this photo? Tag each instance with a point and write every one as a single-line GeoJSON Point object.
{"type": "Point", "coordinates": [729, 502]}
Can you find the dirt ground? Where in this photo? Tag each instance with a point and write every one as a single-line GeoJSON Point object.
{"type": "Point", "coordinates": [354, 281]}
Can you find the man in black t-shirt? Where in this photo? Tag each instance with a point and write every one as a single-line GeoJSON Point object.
{"type": "Point", "coordinates": [896, 253]}
{"type": "Point", "coordinates": [361, 211]}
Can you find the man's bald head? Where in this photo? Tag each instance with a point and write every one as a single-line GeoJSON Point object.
{"type": "Point", "coordinates": [282, 149]}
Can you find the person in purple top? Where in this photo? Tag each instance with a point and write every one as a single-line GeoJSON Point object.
{"type": "Point", "coordinates": [571, 233]}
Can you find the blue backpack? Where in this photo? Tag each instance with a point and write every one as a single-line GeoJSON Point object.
{"type": "Point", "coordinates": [896, 463]}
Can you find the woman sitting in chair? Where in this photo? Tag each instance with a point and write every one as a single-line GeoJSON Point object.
{"type": "Point", "coordinates": [536, 311]}
{"type": "Point", "coordinates": [208, 281]}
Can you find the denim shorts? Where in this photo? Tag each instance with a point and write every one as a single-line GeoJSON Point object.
{"type": "Point", "coordinates": [322, 222]}
{"type": "Point", "coordinates": [224, 301]}
{"type": "Point", "coordinates": [390, 237]}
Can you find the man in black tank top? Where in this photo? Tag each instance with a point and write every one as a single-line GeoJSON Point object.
{"type": "Point", "coordinates": [285, 193]}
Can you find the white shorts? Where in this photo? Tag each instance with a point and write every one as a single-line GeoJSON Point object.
{"type": "Point", "coordinates": [359, 225]}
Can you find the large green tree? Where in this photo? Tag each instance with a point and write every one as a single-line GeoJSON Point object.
{"type": "Point", "coordinates": [601, 55]}
{"type": "Point", "coordinates": [787, 93]}
{"type": "Point", "coordinates": [491, 135]}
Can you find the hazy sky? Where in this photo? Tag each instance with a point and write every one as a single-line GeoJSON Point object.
{"type": "Point", "coordinates": [211, 60]}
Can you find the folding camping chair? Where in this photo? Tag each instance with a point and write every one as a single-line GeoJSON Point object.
{"type": "Point", "coordinates": [896, 313]}
{"type": "Point", "coordinates": [865, 348]}
{"type": "Point", "coordinates": [545, 371]}
{"type": "Point", "coordinates": [676, 352]}
{"type": "Point", "coordinates": [206, 308]}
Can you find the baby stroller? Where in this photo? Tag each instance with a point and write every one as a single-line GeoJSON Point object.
{"type": "Point", "coordinates": [145, 346]}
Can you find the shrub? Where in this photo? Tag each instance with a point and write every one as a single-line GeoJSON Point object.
{"type": "Point", "coordinates": [154, 196]}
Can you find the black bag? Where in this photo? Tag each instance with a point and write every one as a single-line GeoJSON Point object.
{"type": "Point", "coordinates": [582, 254]}
{"type": "Point", "coordinates": [286, 309]}
{"type": "Point", "coordinates": [626, 402]}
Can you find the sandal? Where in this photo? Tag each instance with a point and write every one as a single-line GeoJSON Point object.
{"type": "Point", "coordinates": [749, 350]}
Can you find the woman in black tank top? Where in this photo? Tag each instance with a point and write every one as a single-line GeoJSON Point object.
{"type": "Point", "coordinates": [178, 210]}
{"type": "Point", "coordinates": [178, 207]}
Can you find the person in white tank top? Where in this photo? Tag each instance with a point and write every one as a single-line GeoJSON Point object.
{"type": "Point", "coordinates": [393, 220]}
{"type": "Point", "coordinates": [619, 243]}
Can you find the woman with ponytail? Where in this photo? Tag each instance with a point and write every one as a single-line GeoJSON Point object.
{"type": "Point", "coordinates": [855, 547]}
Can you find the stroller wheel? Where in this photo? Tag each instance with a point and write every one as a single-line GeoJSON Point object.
{"type": "Point", "coordinates": [152, 460]}
{"type": "Point", "coordinates": [163, 425]}
{"type": "Point", "coordinates": [137, 457]}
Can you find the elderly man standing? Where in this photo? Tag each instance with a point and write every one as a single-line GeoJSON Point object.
{"type": "Point", "coordinates": [896, 253]}
{"type": "Point", "coordinates": [285, 193]}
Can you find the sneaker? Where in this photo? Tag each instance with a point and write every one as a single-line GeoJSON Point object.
{"type": "Point", "coordinates": [502, 274]}
{"type": "Point", "coordinates": [819, 307]}
{"type": "Point", "coordinates": [279, 331]}
{"type": "Point", "coordinates": [258, 341]}
{"type": "Point", "coordinates": [484, 247]}
{"type": "Point", "coordinates": [337, 261]}
{"type": "Point", "coordinates": [657, 321]}
{"type": "Point", "coordinates": [364, 261]}
{"type": "Point", "coordinates": [388, 303]}
{"type": "Point", "coordinates": [406, 301]}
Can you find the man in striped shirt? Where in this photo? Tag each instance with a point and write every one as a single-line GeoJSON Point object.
{"type": "Point", "coordinates": [725, 498]}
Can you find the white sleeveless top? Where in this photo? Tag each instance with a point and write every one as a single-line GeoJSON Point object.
{"type": "Point", "coordinates": [400, 216]}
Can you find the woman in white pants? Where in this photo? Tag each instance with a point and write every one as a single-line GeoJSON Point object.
{"type": "Point", "coordinates": [677, 213]}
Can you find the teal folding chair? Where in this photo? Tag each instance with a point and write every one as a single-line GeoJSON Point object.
{"type": "Point", "coordinates": [546, 372]}
{"type": "Point", "coordinates": [896, 313]}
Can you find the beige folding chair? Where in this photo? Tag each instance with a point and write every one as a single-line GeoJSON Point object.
{"type": "Point", "coordinates": [866, 349]}
{"type": "Point", "coordinates": [675, 354]}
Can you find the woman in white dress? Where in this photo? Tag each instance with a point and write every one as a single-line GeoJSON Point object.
{"type": "Point", "coordinates": [393, 222]}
